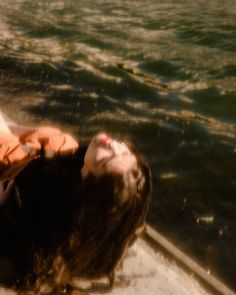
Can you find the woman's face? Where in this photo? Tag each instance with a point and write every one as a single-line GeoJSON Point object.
{"type": "Point", "coordinates": [106, 155]}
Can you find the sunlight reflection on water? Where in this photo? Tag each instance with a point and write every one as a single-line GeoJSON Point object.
{"type": "Point", "coordinates": [164, 73]}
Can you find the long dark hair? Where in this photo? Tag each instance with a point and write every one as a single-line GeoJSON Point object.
{"type": "Point", "coordinates": [113, 208]}
{"type": "Point", "coordinates": [83, 224]}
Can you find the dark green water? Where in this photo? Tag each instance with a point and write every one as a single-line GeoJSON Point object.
{"type": "Point", "coordinates": [164, 74]}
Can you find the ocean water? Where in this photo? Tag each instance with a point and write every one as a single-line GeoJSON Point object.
{"type": "Point", "coordinates": [163, 74]}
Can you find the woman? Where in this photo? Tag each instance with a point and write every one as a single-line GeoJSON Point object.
{"type": "Point", "coordinates": [72, 212]}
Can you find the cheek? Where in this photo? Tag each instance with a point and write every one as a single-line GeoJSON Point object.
{"type": "Point", "coordinates": [88, 157]}
{"type": "Point", "coordinates": [92, 157]}
{"type": "Point", "coordinates": [101, 154]}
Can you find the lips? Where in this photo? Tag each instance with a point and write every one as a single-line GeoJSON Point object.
{"type": "Point", "coordinates": [105, 140]}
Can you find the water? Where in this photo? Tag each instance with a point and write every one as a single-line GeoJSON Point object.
{"type": "Point", "coordinates": [164, 74]}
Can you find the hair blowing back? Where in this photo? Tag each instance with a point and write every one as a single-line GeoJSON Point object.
{"type": "Point", "coordinates": [84, 224]}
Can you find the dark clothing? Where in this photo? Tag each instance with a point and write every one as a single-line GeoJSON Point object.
{"type": "Point", "coordinates": [37, 200]}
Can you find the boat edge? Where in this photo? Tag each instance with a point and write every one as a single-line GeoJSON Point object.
{"type": "Point", "coordinates": [158, 242]}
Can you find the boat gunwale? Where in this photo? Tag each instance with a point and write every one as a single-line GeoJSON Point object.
{"type": "Point", "coordinates": [158, 242]}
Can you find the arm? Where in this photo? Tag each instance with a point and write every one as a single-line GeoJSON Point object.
{"type": "Point", "coordinates": [50, 140]}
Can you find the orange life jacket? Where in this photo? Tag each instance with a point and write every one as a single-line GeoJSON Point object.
{"type": "Point", "coordinates": [51, 140]}
{"type": "Point", "coordinates": [17, 152]}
